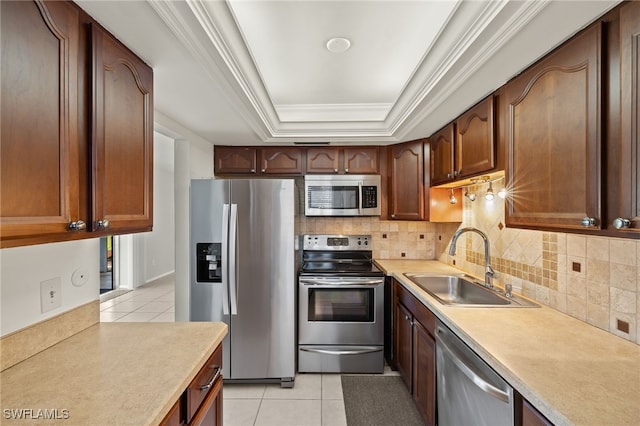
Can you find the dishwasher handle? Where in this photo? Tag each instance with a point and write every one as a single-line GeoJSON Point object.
{"type": "Point", "coordinates": [456, 357]}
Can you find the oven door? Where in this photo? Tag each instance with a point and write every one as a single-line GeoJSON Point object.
{"type": "Point", "coordinates": [341, 311]}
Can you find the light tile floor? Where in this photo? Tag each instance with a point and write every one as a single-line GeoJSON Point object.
{"type": "Point", "coordinates": [315, 399]}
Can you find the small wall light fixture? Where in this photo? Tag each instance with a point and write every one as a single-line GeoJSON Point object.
{"type": "Point", "coordinates": [489, 195]}
{"type": "Point", "coordinates": [502, 193]}
{"type": "Point", "coordinates": [452, 198]}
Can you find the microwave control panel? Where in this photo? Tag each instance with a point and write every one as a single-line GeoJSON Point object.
{"type": "Point", "coordinates": [369, 197]}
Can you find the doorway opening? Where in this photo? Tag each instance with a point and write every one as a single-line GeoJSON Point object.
{"type": "Point", "coordinates": [107, 281]}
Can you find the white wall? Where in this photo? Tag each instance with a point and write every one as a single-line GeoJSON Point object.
{"type": "Point", "coordinates": [193, 158]}
{"type": "Point", "coordinates": [159, 245]}
{"type": "Point", "coordinates": [23, 268]}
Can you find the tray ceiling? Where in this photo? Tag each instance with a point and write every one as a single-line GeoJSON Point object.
{"type": "Point", "coordinates": [262, 70]}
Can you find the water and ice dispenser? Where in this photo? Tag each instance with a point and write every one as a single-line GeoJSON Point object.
{"type": "Point", "coordinates": [209, 262]}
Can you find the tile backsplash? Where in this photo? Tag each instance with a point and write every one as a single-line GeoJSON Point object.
{"type": "Point", "coordinates": [594, 279]}
{"type": "Point", "coordinates": [391, 239]}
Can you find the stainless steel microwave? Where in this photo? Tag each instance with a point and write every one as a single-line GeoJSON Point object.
{"type": "Point", "coordinates": [342, 195]}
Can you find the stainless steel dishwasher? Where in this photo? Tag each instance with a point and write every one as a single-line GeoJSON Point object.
{"type": "Point", "coordinates": [469, 391]}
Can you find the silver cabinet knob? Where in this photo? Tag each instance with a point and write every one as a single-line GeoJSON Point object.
{"type": "Point", "coordinates": [393, 216]}
{"type": "Point", "coordinates": [455, 173]}
{"type": "Point", "coordinates": [346, 170]}
{"type": "Point", "coordinates": [103, 224]}
{"type": "Point", "coordinates": [588, 221]}
{"type": "Point", "coordinates": [253, 170]}
{"type": "Point", "coordinates": [448, 175]}
{"type": "Point", "coordinates": [335, 170]}
{"type": "Point", "coordinates": [78, 225]}
{"type": "Point", "coordinates": [264, 170]}
{"type": "Point", "coordinates": [620, 223]}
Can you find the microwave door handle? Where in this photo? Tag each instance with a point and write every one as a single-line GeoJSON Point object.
{"type": "Point", "coordinates": [225, 259]}
{"type": "Point", "coordinates": [233, 260]}
{"type": "Point", "coordinates": [360, 198]}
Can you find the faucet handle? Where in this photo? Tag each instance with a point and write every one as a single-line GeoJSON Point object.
{"type": "Point", "coordinates": [507, 290]}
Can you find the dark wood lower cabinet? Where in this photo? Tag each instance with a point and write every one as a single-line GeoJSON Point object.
{"type": "Point", "coordinates": [201, 403]}
{"type": "Point", "coordinates": [415, 350]}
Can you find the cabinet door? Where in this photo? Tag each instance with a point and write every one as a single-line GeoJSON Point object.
{"type": "Point", "coordinates": [281, 161]}
{"type": "Point", "coordinates": [323, 160]}
{"type": "Point", "coordinates": [39, 169]}
{"type": "Point", "coordinates": [424, 373]}
{"type": "Point", "coordinates": [402, 334]}
{"type": "Point", "coordinates": [475, 141]}
{"type": "Point", "coordinates": [441, 146]}
{"type": "Point", "coordinates": [532, 417]}
{"type": "Point", "coordinates": [552, 113]}
{"type": "Point", "coordinates": [407, 181]}
{"type": "Point", "coordinates": [229, 160]}
{"type": "Point", "coordinates": [361, 160]}
{"type": "Point", "coordinates": [627, 162]}
{"type": "Point", "coordinates": [122, 137]}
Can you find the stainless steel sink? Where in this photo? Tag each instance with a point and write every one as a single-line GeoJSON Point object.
{"type": "Point", "coordinates": [463, 290]}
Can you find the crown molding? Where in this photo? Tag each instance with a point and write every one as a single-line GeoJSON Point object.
{"type": "Point", "coordinates": [474, 32]}
{"type": "Point", "coordinates": [333, 112]}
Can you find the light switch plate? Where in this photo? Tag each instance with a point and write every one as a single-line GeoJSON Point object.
{"type": "Point", "coordinates": [50, 294]}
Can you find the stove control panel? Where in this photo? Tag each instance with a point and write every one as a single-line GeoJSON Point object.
{"type": "Point", "coordinates": [336, 242]}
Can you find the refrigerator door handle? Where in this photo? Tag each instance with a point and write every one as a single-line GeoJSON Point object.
{"type": "Point", "coordinates": [233, 263]}
{"type": "Point", "coordinates": [225, 259]}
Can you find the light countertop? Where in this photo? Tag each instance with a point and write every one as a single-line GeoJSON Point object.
{"type": "Point", "coordinates": [572, 372]}
{"type": "Point", "coordinates": [111, 373]}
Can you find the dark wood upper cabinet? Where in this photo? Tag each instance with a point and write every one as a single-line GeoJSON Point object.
{"type": "Point", "coordinates": [281, 161]}
{"type": "Point", "coordinates": [441, 145]}
{"type": "Point", "coordinates": [77, 128]}
{"type": "Point", "coordinates": [239, 160]}
{"type": "Point", "coordinates": [39, 151]}
{"type": "Point", "coordinates": [475, 141]}
{"type": "Point", "coordinates": [552, 125]}
{"type": "Point", "coordinates": [323, 160]}
{"type": "Point", "coordinates": [231, 160]}
{"type": "Point", "coordinates": [342, 160]}
{"type": "Point", "coordinates": [122, 137]}
{"type": "Point", "coordinates": [361, 160]}
{"type": "Point", "coordinates": [466, 147]}
{"type": "Point", "coordinates": [624, 156]}
{"type": "Point", "coordinates": [406, 163]}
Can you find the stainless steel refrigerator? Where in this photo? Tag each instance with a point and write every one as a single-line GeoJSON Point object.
{"type": "Point", "coordinates": [243, 272]}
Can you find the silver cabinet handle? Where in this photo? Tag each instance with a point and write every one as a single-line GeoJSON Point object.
{"type": "Point", "coordinates": [103, 224]}
{"type": "Point", "coordinates": [213, 379]}
{"type": "Point", "coordinates": [78, 225]}
{"type": "Point", "coordinates": [467, 371]}
{"type": "Point", "coordinates": [620, 223]}
{"type": "Point", "coordinates": [588, 221]}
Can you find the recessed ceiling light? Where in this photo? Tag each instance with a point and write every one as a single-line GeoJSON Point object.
{"type": "Point", "coordinates": [338, 45]}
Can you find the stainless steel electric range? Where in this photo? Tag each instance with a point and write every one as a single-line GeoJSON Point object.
{"type": "Point", "coordinates": [340, 306]}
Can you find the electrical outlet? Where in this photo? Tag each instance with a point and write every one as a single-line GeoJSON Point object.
{"type": "Point", "coordinates": [50, 294]}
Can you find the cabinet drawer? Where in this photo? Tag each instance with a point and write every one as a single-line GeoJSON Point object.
{"type": "Point", "coordinates": [203, 383]}
{"type": "Point", "coordinates": [417, 309]}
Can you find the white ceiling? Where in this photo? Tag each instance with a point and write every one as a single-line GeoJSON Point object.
{"type": "Point", "coordinates": [256, 72]}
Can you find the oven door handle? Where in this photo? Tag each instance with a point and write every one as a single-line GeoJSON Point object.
{"type": "Point", "coordinates": [341, 283]}
{"type": "Point", "coordinates": [342, 352]}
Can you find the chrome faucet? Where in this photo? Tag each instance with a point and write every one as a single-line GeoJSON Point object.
{"type": "Point", "coordinates": [488, 270]}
